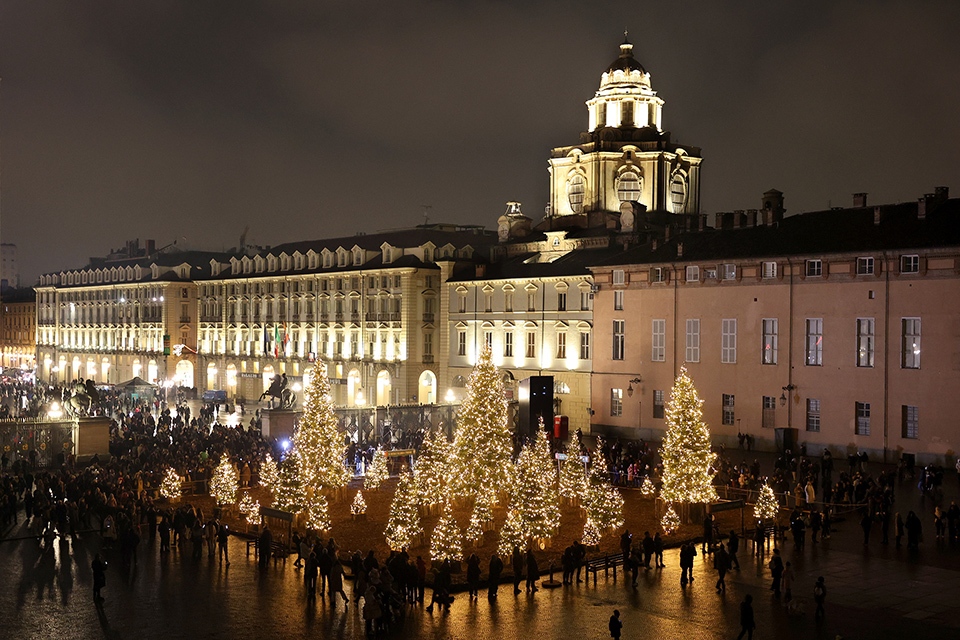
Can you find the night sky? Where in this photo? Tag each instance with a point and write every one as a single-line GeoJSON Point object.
{"type": "Point", "coordinates": [303, 120]}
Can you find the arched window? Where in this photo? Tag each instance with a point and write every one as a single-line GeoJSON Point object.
{"type": "Point", "coordinates": [575, 189]}
{"type": "Point", "coordinates": [628, 187]}
{"type": "Point", "coordinates": [678, 193]}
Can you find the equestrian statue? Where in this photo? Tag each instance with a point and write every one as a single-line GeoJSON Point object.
{"type": "Point", "coordinates": [278, 391]}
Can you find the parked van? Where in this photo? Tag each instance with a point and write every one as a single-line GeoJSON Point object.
{"type": "Point", "coordinates": [215, 396]}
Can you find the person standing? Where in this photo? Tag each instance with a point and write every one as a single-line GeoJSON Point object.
{"type": "Point", "coordinates": [721, 561]}
{"type": "Point", "coordinates": [787, 580]}
{"type": "Point", "coordinates": [99, 567]}
{"type": "Point", "coordinates": [707, 545]}
{"type": "Point", "coordinates": [747, 622]}
{"type": "Point", "coordinates": [898, 527]}
{"type": "Point", "coordinates": [625, 541]}
{"type": "Point", "coordinates": [616, 625]}
{"type": "Point", "coordinates": [776, 571]}
{"type": "Point", "coordinates": [533, 572]}
{"type": "Point", "coordinates": [493, 580]}
{"type": "Point", "coordinates": [310, 571]}
{"type": "Point", "coordinates": [865, 523]}
{"type": "Point", "coordinates": [648, 549]}
{"type": "Point", "coordinates": [517, 563]}
{"type": "Point", "coordinates": [820, 595]}
{"type": "Point", "coordinates": [733, 546]}
{"type": "Point", "coordinates": [473, 575]}
{"type": "Point", "coordinates": [265, 546]}
{"type": "Point", "coordinates": [335, 583]}
{"type": "Point", "coordinates": [658, 550]}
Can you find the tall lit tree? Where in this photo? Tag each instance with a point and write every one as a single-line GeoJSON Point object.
{"type": "Point", "coordinates": [767, 507]}
{"type": "Point", "coordinates": [378, 471]}
{"type": "Point", "coordinates": [687, 458]}
{"type": "Point", "coordinates": [603, 502]}
{"type": "Point", "coordinates": [223, 484]}
{"type": "Point", "coordinates": [403, 525]}
{"type": "Point", "coordinates": [445, 543]}
{"type": "Point", "coordinates": [318, 513]}
{"type": "Point", "coordinates": [433, 468]}
{"type": "Point", "coordinates": [317, 440]}
{"type": "Point", "coordinates": [289, 493]}
{"type": "Point", "coordinates": [483, 446]}
{"type": "Point", "coordinates": [534, 510]}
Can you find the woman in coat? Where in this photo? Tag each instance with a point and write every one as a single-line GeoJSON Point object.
{"type": "Point", "coordinates": [473, 574]}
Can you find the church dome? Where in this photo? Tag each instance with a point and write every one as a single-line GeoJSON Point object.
{"type": "Point", "coordinates": [626, 62]}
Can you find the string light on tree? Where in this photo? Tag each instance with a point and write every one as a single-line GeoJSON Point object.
{"type": "Point", "coordinates": [269, 474]}
{"type": "Point", "coordinates": [766, 507]}
{"type": "Point", "coordinates": [403, 526]}
{"type": "Point", "coordinates": [317, 439]}
{"type": "Point", "coordinates": [647, 487]}
{"type": "Point", "coordinates": [223, 484]}
{"type": "Point", "coordinates": [171, 486]}
{"type": "Point", "coordinates": [670, 521]}
{"type": "Point", "coordinates": [445, 542]}
{"type": "Point", "coordinates": [359, 506]}
{"type": "Point", "coordinates": [289, 494]}
{"type": "Point", "coordinates": [591, 533]}
{"type": "Point", "coordinates": [378, 471]}
{"type": "Point", "coordinates": [603, 504]}
{"type": "Point", "coordinates": [249, 508]}
{"type": "Point", "coordinates": [573, 474]}
{"type": "Point", "coordinates": [483, 444]}
{"type": "Point", "coordinates": [534, 510]}
{"type": "Point", "coordinates": [687, 458]}
{"type": "Point", "coordinates": [318, 513]}
{"type": "Point", "coordinates": [433, 468]}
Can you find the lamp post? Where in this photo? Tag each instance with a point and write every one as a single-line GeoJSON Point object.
{"type": "Point", "coordinates": [636, 381]}
{"type": "Point", "coordinates": [784, 397]}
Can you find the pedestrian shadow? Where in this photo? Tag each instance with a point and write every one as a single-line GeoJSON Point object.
{"type": "Point", "coordinates": [105, 623]}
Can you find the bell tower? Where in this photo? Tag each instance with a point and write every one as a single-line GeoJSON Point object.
{"type": "Point", "coordinates": [624, 156]}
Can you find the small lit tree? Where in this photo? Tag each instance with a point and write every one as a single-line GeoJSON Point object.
{"type": "Point", "coordinates": [223, 485]}
{"type": "Point", "coordinates": [433, 469]}
{"type": "Point", "coordinates": [670, 521]}
{"type": "Point", "coordinates": [767, 507]}
{"type": "Point", "coordinates": [591, 534]}
{"type": "Point", "coordinates": [603, 504]}
{"type": "Point", "coordinates": [377, 472]}
{"type": "Point", "coordinates": [573, 475]}
{"type": "Point", "coordinates": [534, 511]}
{"type": "Point", "coordinates": [647, 487]}
{"type": "Point", "coordinates": [249, 509]}
{"type": "Point", "coordinates": [171, 486]}
{"type": "Point", "coordinates": [687, 458]}
{"type": "Point", "coordinates": [269, 474]}
{"type": "Point", "coordinates": [359, 506]}
{"type": "Point", "coordinates": [289, 494]}
{"type": "Point", "coordinates": [403, 526]}
{"type": "Point", "coordinates": [318, 513]}
{"type": "Point", "coordinates": [445, 543]}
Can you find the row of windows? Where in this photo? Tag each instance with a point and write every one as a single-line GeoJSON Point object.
{"type": "Point", "coordinates": [296, 286]}
{"type": "Point", "coordinates": [909, 414]}
{"type": "Point", "coordinates": [768, 269]}
{"type": "Point", "coordinates": [769, 347]}
{"type": "Point", "coordinates": [586, 301]}
{"type": "Point", "coordinates": [531, 344]}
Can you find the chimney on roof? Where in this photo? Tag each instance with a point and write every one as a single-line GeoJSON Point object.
{"type": "Point", "coordinates": [751, 218]}
{"type": "Point", "coordinates": [481, 270]}
{"type": "Point", "coordinates": [941, 194]}
{"type": "Point", "coordinates": [860, 200]}
{"type": "Point", "coordinates": [679, 249]}
{"type": "Point", "coordinates": [654, 247]}
{"type": "Point", "coordinates": [737, 215]}
{"type": "Point", "coordinates": [773, 209]}
{"type": "Point", "coordinates": [703, 222]}
{"type": "Point", "coordinates": [922, 206]}
{"type": "Point", "coordinates": [666, 233]}
{"type": "Point", "coordinates": [876, 216]}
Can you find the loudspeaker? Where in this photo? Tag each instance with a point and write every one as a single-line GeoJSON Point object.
{"type": "Point", "coordinates": [536, 401]}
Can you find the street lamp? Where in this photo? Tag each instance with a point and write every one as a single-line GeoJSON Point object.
{"type": "Point", "coordinates": [783, 396]}
{"type": "Point", "coordinates": [635, 381]}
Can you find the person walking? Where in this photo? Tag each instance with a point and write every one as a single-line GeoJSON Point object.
{"type": "Point", "coordinates": [335, 583]}
{"type": "Point", "coordinates": [721, 562]}
{"type": "Point", "coordinates": [625, 541]}
{"type": "Point", "coordinates": [747, 622]}
{"type": "Point", "coordinates": [493, 579]}
{"type": "Point", "coordinates": [99, 567]}
{"type": "Point", "coordinates": [223, 535]}
{"type": "Point", "coordinates": [776, 571]}
{"type": "Point", "coordinates": [615, 625]}
{"type": "Point", "coordinates": [820, 595]}
{"type": "Point", "coordinates": [310, 572]}
{"type": "Point", "coordinates": [733, 546]}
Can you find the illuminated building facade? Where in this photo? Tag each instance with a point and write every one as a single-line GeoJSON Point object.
{"type": "Point", "coordinates": [18, 322]}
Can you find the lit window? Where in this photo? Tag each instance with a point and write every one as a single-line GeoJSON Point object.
{"type": "Point", "coordinates": [814, 345]}
{"type": "Point", "coordinates": [628, 187]}
{"type": "Point", "coordinates": [616, 403]}
{"type": "Point", "coordinates": [575, 189]}
{"type": "Point", "coordinates": [910, 343]}
{"type": "Point", "coordinates": [770, 340]}
{"type": "Point", "coordinates": [865, 342]}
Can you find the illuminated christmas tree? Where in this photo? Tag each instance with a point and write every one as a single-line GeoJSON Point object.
{"type": "Point", "coordinates": [318, 513]}
{"type": "Point", "coordinates": [686, 455]}
{"type": "Point", "coordinates": [269, 474]}
{"type": "Point", "coordinates": [378, 471]}
{"type": "Point", "coordinates": [591, 534]}
{"type": "Point", "coordinates": [445, 542]}
{"type": "Point", "coordinates": [573, 475]}
{"type": "Point", "coordinates": [483, 445]}
{"type": "Point", "coordinates": [249, 508]}
{"type": "Point", "coordinates": [359, 506]}
{"type": "Point", "coordinates": [433, 468]}
{"type": "Point", "coordinates": [317, 440]}
{"type": "Point", "coordinates": [767, 506]}
{"type": "Point", "coordinates": [647, 487]}
{"type": "Point", "coordinates": [534, 510]}
{"type": "Point", "coordinates": [603, 502]}
{"type": "Point", "coordinates": [289, 494]}
{"type": "Point", "coordinates": [223, 484]}
{"type": "Point", "coordinates": [670, 521]}
{"type": "Point", "coordinates": [170, 487]}
{"type": "Point", "coordinates": [403, 525]}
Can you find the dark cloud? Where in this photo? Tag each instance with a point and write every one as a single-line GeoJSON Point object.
{"type": "Point", "coordinates": [307, 119]}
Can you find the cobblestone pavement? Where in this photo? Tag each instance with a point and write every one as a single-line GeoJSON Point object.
{"type": "Point", "coordinates": [874, 592]}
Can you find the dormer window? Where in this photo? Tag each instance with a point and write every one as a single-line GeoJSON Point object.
{"type": "Point", "coordinates": [678, 193]}
{"type": "Point", "coordinates": [357, 257]}
{"type": "Point", "coordinates": [388, 255]}
{"type": "Point", "coordinates": [628, 187]}
{"type": "Point", "coordinates": [576, 187]}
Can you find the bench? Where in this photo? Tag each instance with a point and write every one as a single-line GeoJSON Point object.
{"type": "Point", "coordinates": [277, 549]}
{"type": "Point", "coordinates": [605, 563]}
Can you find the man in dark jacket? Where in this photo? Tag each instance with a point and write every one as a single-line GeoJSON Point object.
{"type": "Point", "coordinates": [493, 581]}
{"type": "Point", "coordinates": [648, 549]}
{"type": "Point", "coordinates": [776, 571]}
{"type": "Point", "coordinates": [265, 546]}
{"type": "Point", "coordinates": [533, 572]}
{"type": "Point", "coordinates": [747, 623]}
{"type": "Point", "coordinates": [733, 546]}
